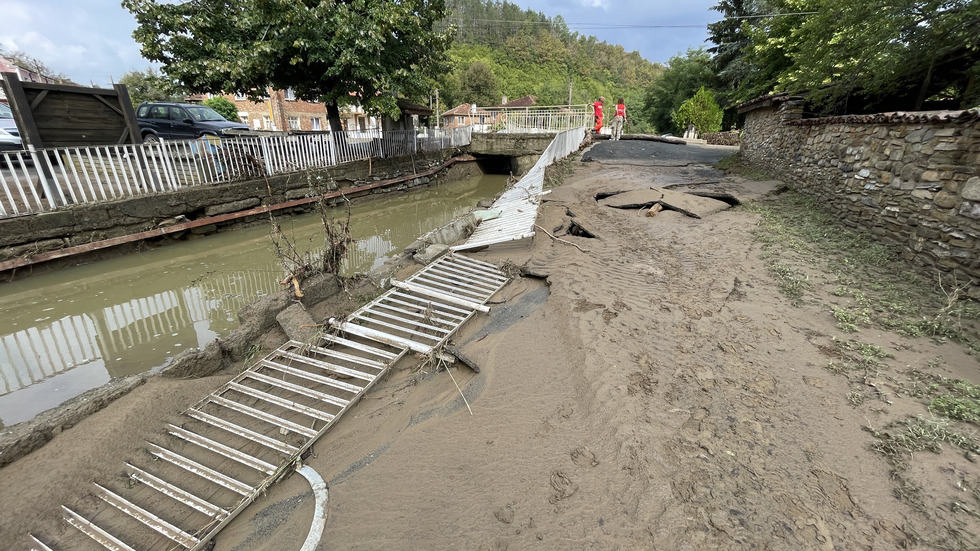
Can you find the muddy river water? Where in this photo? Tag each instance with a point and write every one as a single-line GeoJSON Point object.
{"type": "Point", "coordinates": [65, 332]}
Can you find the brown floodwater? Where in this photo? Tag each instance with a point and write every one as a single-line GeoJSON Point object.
{"type": "Point", "coordinates": [71, 330]}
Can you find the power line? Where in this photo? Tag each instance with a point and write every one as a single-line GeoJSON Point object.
{"type": "Point", "coordinates": [477, 22]}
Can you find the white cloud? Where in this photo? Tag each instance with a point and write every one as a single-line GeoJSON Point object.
{"type": "Point", "coordinates": [604, 4]}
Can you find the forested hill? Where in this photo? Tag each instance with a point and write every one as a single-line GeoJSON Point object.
{"type": "Point", "coordinates": [501, 49]}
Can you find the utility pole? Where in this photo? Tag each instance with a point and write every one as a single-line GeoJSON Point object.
{"type": "Point", "coordinates": [569, 93]}
{"type": "Point", "coordinates": [438, 115]}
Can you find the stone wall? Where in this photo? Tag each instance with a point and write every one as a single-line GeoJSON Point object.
{"type": "Point", "coordinates": [732, 137]}
{"type": "Point", "coordinates": [913, 179]}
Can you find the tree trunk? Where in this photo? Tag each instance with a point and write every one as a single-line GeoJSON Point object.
{"type": "Point", "coordinates": [967, 93]}
{"type": "Point", "coordinates": [333, 116]}
{"type": "Point", "coordinates": [925, 87]}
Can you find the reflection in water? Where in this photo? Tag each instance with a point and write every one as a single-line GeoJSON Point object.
{"type": "Point", "coordinates": [68, 331]}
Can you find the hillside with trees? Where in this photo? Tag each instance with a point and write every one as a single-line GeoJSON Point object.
{"type": "Point", "coordinates": [500, 49]}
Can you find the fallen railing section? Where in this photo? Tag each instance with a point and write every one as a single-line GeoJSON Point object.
{"type": "Point", "coordinates": [227, 449]}
{"type": "Point", "coordinates": [519, 204]}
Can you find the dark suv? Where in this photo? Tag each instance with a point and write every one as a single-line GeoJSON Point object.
{"type": "Point", "coordinates": [181, 121]}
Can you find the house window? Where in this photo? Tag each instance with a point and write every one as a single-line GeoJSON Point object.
{"type": "Point", "coordinates": [315, 123]}
{"type": "Point", "coordinates": [289, 94]}
{"type": "Point", "coordinates": [243, 116]}
{"type": "Point", "coordinates": [240, 97]}
{"type": "Point", "coordinates": [294, 123]}
{"type": "Point", "coordinates": [267, 123]}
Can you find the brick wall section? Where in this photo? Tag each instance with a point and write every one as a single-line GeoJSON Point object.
{"type": "Point", "coordinates": [912, 179]}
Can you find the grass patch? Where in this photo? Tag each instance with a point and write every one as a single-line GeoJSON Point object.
{"type": "Point", "coordinates": [733, 165]}
{"type": "Point", "coordinates": [556, 173]}
{"type": "Point", "coordinates": [902, 440]}
{"type": "Point", "coordinates": [877, 287]}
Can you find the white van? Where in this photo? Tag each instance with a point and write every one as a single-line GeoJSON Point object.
{"type": "Point", "coordinates": [9, 135]}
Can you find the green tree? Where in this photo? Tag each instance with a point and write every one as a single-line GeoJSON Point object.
{"type": "Point", "coordinates": [701, 110]}
{"type": "Point", "coordinates": [224, 107]}
{"type": "Point", "coordinates": [853, 56]}
{"type": "Point", "coordinates": [682, 78]}
{"type": "Point", "coordinates": [478, 85]}
{"type": "Point", "coordinates": [150, 85]}
{"type": "Point", "coordinates": [355, 51]}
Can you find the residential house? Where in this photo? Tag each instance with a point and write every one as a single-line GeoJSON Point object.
{"type": "Point", "coordinates": [280, 110]}
{"type": "Point", "coordinates": [465, 115]}
{"type": "Point", "coordinates": [409, 120]}
{"type": "Point", "coordinates": [7, 65]}
{"type": "Point", "coordinates": [526, 101]}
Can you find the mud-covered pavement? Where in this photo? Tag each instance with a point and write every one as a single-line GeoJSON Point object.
{"type": "Point", "coordinates": [647, 388]}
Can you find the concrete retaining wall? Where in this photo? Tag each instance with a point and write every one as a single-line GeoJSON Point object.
{"type": "Point", "coordinates": [913, 179]}
{"type": "Point", "coordinates": [24, 236]}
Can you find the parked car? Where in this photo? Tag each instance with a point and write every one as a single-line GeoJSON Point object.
{"type": "Point", "coordinates": [181, 121]}
{"type": "Point", "coordinates": [9, 136]}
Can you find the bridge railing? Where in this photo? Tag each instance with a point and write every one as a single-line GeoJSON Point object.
{"type": "Point", "coordinates": [535, 119]}
{"type": "Point", "coordinates": [47, 179]}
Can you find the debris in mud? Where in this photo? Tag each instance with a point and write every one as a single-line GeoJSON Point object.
{"type": "Point", "coordinates": [505, 514]}
{"type": "Point", "coordinates": [563, 486]}
{"type": "Point", "coordinates": [462, 358]}
{"type": "Point", "coordinates": [583, 457]}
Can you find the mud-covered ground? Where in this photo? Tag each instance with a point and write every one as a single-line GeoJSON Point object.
{"type": "Point", "coordinates": [651, 387]}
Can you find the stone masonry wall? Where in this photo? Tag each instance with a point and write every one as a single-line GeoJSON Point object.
{"type": "Point", "coordinates": [913, 179]}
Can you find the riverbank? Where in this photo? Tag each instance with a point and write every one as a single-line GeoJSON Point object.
{"type": "Point", "coordinates": [653, 386]}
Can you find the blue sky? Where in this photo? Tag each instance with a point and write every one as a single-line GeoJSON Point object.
{"type": "Point", "coordinates": [90, 40]}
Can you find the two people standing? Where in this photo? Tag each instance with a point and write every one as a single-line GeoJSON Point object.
{"type": "Point", "coordinates": [618, 119]}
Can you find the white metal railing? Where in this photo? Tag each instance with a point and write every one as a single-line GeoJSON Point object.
{"type": "Point", "coordinates": [518, 205]}
{"type": "Point", "coordinates": [535, 119]}
{"type": "Point", "coordinates": [46, 179]}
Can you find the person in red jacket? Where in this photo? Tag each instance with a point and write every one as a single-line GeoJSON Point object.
{"type": "Point", "coordinates": [618, 120]}
{"type": "Point", "coordinates": [597, 111]}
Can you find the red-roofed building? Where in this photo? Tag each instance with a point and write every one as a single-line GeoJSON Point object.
{"type": "Point", "coordinates": [465, 115]}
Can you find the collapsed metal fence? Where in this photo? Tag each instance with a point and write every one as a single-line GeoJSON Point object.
{"type": "Point", "coordinates": [46, 179]}
{"type": "Point", "coordinates": [518, 205]}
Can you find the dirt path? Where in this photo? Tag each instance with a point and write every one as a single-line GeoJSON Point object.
{"type": "Point", "coordinates": [651, 389]}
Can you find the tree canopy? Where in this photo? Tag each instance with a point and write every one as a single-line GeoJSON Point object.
{"type": "Point", "coordinates": [31, 63]}
{"type": "Point", "coordinates": [224, 107]}
{"type": "Point", "coordinates": [340, 52]}
{"type": "Point", "coordinates": [679, 82]}
{"type": "Point", "coordinates": [149, 85]}
{"type": "Point", "coordinates": [701, 111]}
{"type": "Point", "coordinates": [852, 55]}
{"type": "Point", "coordinates": [529, 53]}
{"type": "Point", "coordinates": [480, 85]}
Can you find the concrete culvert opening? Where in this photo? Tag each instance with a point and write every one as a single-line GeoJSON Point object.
{"type": "Point", "coordinates": [495, 164]}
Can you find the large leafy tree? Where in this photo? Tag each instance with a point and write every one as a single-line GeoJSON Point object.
{"type": "Point", "coordinates": [224, 107]}
{"type": "Point", "coordinates": [149, 85]}
{"type": "Point", "coordinates": [701, 110]}
{"type": "Point", "coordinates": [478, 85]}
{"type": "Point", "coordinates": [682, 78]}
{"type": "Point", "coordinates": [335, 51]}
{"type": "Point", "coordinates": [853, 55]}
